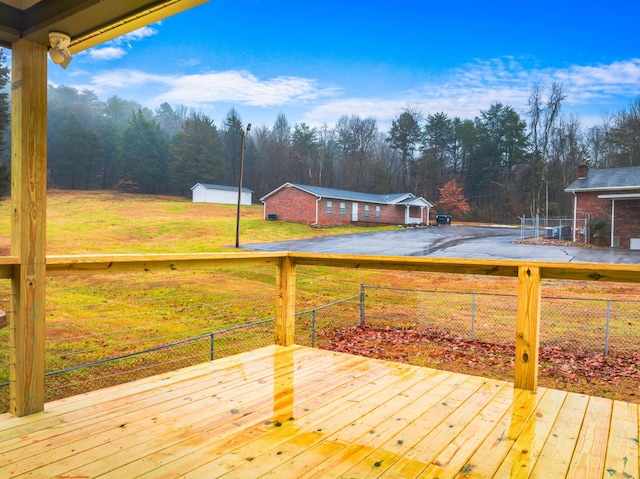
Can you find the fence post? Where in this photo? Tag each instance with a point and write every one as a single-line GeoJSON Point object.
{"type": "Point", "coordinates": [313, 328]}
{"type": "Point", "coordinates": [285, 301]}
{"type": "Point", "coordinates": [527, 328]}
{"type": "Point", "coordinates": [606, 336]}
{"type": "Point", "coordinates": [212, 347]}
{"type": "Point", "coordinates": [473, 316]}
{"type": "Point", "coordinates": [361, 304]}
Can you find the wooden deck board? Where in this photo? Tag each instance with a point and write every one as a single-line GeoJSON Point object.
{"type": "Point", "coordinates": [622, 453]}
{"type": "Point", "coordinates": [496, 445]}
{"type": "Point", "coordinates": [558, 449]}
{"type": "Point", "coordinates": [306, 413]}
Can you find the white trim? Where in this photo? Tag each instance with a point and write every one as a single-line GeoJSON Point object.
{"type": "Point", "coordinates": [575, 215]}
{"type": "Point", "coordinates": [408, 220]}
{"type": "Point", "coordinates": [401, 198]}
{"type": "Point", "coordinates": [602, 188]}
{"type": "Point", "coordinates": [622, 196]}
{"type": "Point", "coordinates": [318, 208]}
{"type": "Point", "coordinates": [613, 220]}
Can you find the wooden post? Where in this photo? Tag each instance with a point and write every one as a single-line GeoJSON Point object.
{"type": "Point", "coordinates": [28, 241]}
{"type": "Point", "coordinates": [285, 302]}
{"type": "Point", "coordinates": [527, 328]}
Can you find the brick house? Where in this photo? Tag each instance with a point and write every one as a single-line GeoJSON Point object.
{"type": "Point", "coordinates": [327, 206]}
{"type": "Point", "coordinates": [612, 194]}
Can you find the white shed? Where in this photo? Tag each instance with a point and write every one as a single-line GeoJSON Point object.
{"type": "Point", "coordinates": [226, 195]}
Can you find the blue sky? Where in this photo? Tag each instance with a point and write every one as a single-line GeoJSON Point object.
{"type": "Point", "coordinates": [317, 61]}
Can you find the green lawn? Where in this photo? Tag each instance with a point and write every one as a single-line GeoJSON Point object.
{"type": "Point", "coordinates": [92, 317]}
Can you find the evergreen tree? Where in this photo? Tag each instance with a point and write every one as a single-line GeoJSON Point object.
{"type": "Point", "coordinates": [404, 136]}
{"type": "Point", "coordinates": [195, 154]}
{"type": "Point", "coordinates": [109, 134]}
{"type": "Point", "coordinates": [143, 155]}
{"type": "Point", "coordinates": [74, 154]}
{"type": "Point", "coordinates": [231, 138]}
{"type": "Point", "coordinates": [304, 153]}
{"type": "Point", "coordinates": [168, 119]}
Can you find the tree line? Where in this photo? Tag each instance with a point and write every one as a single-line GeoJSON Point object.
{"type": "Point", "coordinates": [507, 163]}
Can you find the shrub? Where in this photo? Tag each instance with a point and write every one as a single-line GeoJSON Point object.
{"type": "Point", "coordinates": [600, 229]}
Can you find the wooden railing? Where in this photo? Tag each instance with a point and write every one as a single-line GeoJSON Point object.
{"type": "Point", "coordinates": [27, 341]}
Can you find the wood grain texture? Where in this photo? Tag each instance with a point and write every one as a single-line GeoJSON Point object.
{"type": "Point", "coordinates": [285, 302]}
{"type": "Point", "coordinates": [528, 327]}
{"type": "Point", "coordinates": [28, 226]}
{"type": "Point", "coordinates": [306, 413]}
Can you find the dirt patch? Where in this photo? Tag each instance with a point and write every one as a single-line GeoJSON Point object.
{"type": "Point", "coordinates": [542, 241]}
{"type": "Point", "coordinates": [614, 376]}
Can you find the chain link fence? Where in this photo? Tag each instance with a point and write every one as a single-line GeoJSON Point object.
{"type": "Point", "coordinates": [555, 227]}
{"type": "Point", "coordinates": [570, 324]}
{"type": "Point", "coordinates": [103, 331]}
{"type": "Point", "coordinates": [574, 324]}
{"type": "Point", "coordinates": [164, 358]}
{"type": "Point", "coordinates": [312, 326]}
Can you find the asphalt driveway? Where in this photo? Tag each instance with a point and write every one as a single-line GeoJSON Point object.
{"type": "Point", "coordinates": [480, 242]}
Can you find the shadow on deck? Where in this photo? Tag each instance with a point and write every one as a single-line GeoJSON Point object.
{"type": "Point", "coordinates": [300, 412]}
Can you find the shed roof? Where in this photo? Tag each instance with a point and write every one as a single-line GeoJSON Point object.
{"type": "Point", "coordinates": [210, 186]}
{"type": "Point", "coordinates": [608, 179]}
{"type": "Point", "coordinates": [336, 194]}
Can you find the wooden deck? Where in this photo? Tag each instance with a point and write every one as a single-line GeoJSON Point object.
{"type": "Point", "coordinates": [301, 413]}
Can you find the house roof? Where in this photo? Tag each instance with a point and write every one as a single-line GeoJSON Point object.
{"type": "Point", "coordinates": [415, 201]}
{"type": "Point", "coordinates": [608, 179]}
{"type": "Point", "coordinates": [209, 186]}
{"type": "Point", "coordinates": [335, 194]}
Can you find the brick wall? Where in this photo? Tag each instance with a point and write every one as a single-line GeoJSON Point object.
{"type": "Point", "coordinates": [335, 217]}
{"type": "Point", "coordinates": [389, 214]}
{"type": "Point", "coordinates": [627, 214]}
{"type": "Point", "coordinates": [292, 204]}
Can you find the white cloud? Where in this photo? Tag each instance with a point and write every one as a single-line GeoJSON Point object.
{"type": "Point", "coordinates": [462, 92]}
{"type": "Point", "coordinates": [106, 53]}
{"type": "Point", "coordinates": [118, 47]}
{"type": "Point", "coordinates": [137, 35]}
{"type": "Point", "coordinates": [467, 90]}
{"type": "Point", "coordinates": [584, 83]}
{"type": "Point", "coordinates": [206, 88]}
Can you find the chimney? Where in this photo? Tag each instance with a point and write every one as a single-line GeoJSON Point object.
{"type": "Point", "coordinates": [583, 171]}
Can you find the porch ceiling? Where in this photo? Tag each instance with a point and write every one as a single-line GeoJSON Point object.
{"type": "Point", "coordinates": [87, 22]}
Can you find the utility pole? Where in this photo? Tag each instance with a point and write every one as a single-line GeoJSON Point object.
{"type": "Point", "coordinates": [240, 185]}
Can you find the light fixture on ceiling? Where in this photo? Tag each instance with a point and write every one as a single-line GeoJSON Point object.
{"type": "Point", "coordinates": [59, 51]}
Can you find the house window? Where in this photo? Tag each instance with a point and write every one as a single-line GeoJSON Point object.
{"type": "Point", "coordinates": [329, 206]}
{"type": "Point", "coordinates": [343, 208]}
{"type": "Point", "coordinates": [366, 210]}
{"type": "Point", "coordinates": [378, 211]}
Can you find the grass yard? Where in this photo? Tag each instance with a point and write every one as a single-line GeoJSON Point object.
{"type": "Point", "coordinates": [90, 317]}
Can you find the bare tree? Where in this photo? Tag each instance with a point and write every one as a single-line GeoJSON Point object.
{"type": "Point", "coordinates": [543, 118]}
{"type": "Point", "coordinates": [357, 140]}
